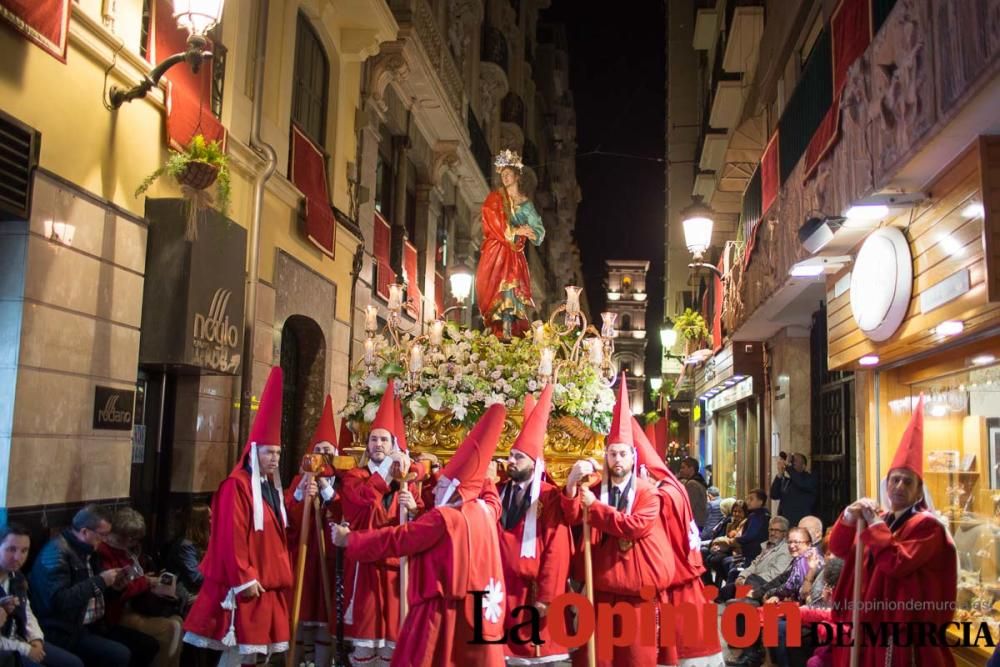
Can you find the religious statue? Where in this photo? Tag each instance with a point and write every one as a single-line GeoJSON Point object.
{"type": "Point", "coordinates": [503, 286]}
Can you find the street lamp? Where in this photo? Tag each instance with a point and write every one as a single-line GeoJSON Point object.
{"type": "Point", "coordinates": [656, 383]}
{"type": "Point", "coordinates": [668, 335]}
{"type": "Point", "coordinates": [198, 17]}
{"type": "Point", "coordinates": [460, 277]}
{"type": "Point", "coordinates": [698, 220]}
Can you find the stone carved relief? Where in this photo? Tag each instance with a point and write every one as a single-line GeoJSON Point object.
{"type": "Point", "coordinates": [386, 68]}
{"type": "Point", "coordinates": [444, 158]}
{"type": "Point", "coordinates": [493, 86]}
{"type": "Point", "coordinates": [962, 61]}
{"type": "Point", "coordinates": [902, 85]}
{"type": "Point", "coordinates": [512, 137]}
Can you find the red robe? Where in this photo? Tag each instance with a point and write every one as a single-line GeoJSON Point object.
{"type": "Point", "coordinates": [371, 589]}
{"type": "Point", "coordinates": [453, 551]}
{"type": "Point", "coordinates": [313, 609]}
{"type": "Point", "coordinates": [918, 562]}
{"type": "Point", "coordinates": [538, 579]}
{"type": "Point", "coordinates": [619, 574]}
{"type": "Point", "coordinates": [502, 266]}
{"type": "Point", "coordinates": [237, 554]}
{"type": "Point", "coordinates": [686, 587]}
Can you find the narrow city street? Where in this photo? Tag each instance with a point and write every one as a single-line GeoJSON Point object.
{"type": "Point", "coordinates": [441, 333]}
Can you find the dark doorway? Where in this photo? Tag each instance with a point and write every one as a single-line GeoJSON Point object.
{"type": "Point", "coordinates": [833, 434]}
{"type": "Point", "coordinates": [152, 448]}
{"type": "Point", "coordinates": [303, 361]}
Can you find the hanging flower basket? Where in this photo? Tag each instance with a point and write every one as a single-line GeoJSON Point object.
{"type": "Point", "coordinates": [200, 166]}
{"type": "Point", "coordinates": [198, 175]}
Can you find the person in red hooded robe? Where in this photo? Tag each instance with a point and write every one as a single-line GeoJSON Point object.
{"type": "Point", "coordinates": [908, 556]}
{"type": "Point", "coordinates": [242, 608]}
{"type": "Point", "coordinates": [694, 644]}
{"type": "Point", "coordinates": [626, 537]}
{"type": "Point", "coordinates": [314, 617]}
{"type": "Point", "coordinates": [535, 542]}
{"type": "Point", "coordinates": [453, 551]}
{"type": "Point", "coordinates": [372, 498]}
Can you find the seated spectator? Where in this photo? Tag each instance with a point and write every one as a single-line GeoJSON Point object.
{"type": "Point", "coordinates": [69, 598]}
{"type": "Point", "coordinates": [19, 629]}
{"type": "Point", "coordinates": [788, 585]}
{"type": "Point", "coordinates": [714, 511]}
{"type": "Point", "coordinates": [185, 553]}
{"type": "Point", "coordinates": [719, 528]}
{"type": "Point", "coordinates": [144, 604]}
{"type": "Point", "coordinates": [723, 552]}
{"type": "Point", "coordinates": [772, 561]}
{"type": "Point", "coordinates": [755, 532]}
{"type": "Point", "coordinates": [814, 525]}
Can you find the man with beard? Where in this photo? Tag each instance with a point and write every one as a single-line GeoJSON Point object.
{"type": "Point", "coordinates": [627, 543]}
{"type": "Point", "coordinates": [242, 608]}
{"type": "Point", "coordinates": [534, 541]}
{"type": "Point", "coordinates": [693, 643]}
{"type": "Point", "coordinates": [372, 497]}
{"type": "Point", "coordinates": [314, 617]}
{"type": "Point", "coordinates": [454, 551]}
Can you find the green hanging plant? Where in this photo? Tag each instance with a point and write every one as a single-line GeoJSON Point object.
{"type": "Point", "coordinates": [691, 326]}
{"type": "Point", "coordinates": [202, 164]}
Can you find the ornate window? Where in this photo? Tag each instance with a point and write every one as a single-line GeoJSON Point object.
{"type": "Point", "coordinates": [309, 82]}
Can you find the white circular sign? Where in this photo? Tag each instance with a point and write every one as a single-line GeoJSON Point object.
{"type": "Point", "coordinates": [881, 283]}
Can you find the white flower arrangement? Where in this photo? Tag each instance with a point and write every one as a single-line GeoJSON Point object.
{"type": "Point", "coordinates": [472, 370]}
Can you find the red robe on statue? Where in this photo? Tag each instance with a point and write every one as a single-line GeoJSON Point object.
{"type": "Point", "coordinates": [538, 579]}
{"type": "Point", "coordinates": [371, 588]}
{"type": "Point", "coordinates": [453, 550]}
{"type": "Point", "coordinates": [915, 562]}
{"type": "Point", "coordinates": [502, 279]}
{"type": "Point", "coordinates": [627, 554]}
{"type": "Point", "coordinates": [237, 555]}
{"type": "Point", "coordinates": [313, 609]}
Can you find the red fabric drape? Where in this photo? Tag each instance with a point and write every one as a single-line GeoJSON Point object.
{"type": "Point", "coordinates": [384, 275]}
{"type": "Point", "coordinates": [189, 96]}
{"type": "Point", "coordinates": [414, 294]}
{"type": "Point", "coordinates": [44, 22]}
{"type": "Point", "coordinates": [308, 173]}
{"type": "Point", "coordinates": [439, 293]}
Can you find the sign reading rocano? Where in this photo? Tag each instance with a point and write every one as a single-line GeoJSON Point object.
{"type": "Point", "coordinates": [113, 408]}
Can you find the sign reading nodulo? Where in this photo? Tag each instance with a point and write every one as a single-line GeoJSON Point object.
{"type": "Point", "coordinates": [215, 339]}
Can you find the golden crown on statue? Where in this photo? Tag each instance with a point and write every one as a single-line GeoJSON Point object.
{"type": "Point", "coordinates": [508, 158]}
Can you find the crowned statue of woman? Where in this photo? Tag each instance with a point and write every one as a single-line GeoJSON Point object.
{"type": "Point", "coordinates": [503, 286]}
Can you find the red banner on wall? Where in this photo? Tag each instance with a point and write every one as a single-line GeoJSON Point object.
{"type": "Point", "coordinates": [44, 22]}
{"type": "Point", "coordinates": [308, 173]}
{"type": "Point", "coordinates": [189, 95]}
{"type": "Point", "coordinates": [850, 35]}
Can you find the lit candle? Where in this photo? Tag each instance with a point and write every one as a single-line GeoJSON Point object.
{"type": "Point", "coordinates": [395, 297]}
{"type": "Point", "coordinates": [437, 332]}
{"type": "Point", "coordinates": [545, 365]}
{"type": "Point", "coordinates": [608, 324]}
{"type": "Point", "coordinates": [416, 358]}
{"type": "Point", "coordinates": [573, 300]}
{"type": "Point", "coordinates": [371, 319]}
{"type": "Point", "coordinates": [539, 333]}
{"type": "Point", "coordinates": [596, 352]}
{"type": "Point", "coordinates": [369, 351]}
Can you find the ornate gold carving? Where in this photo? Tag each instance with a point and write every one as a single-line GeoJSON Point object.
{"type": "Point", "coordinates": [567, 441]}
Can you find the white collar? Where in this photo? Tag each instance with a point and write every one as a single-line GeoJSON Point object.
{"type": "Point", "coordinates": [384, 469]}
{"type": "Point", "coordinates": [624, 483]}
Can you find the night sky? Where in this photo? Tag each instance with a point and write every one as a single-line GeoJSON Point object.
{"type": "Point", "coordinates": [616, 59]}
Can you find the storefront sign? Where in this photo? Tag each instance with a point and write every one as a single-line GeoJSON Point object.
{"type": "Point", "coordinates": [947, 290]}
{"type": "Point", "coordinates": [113, 408]}
{"type": "Point", "coordinates": [194, 290]}
{"type": "Point", "coordinates": [881, 283]}
{"type": "Point", "coordinates": [737, 392]}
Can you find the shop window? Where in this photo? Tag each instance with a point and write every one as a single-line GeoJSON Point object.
{"type": "Point", "coordinates": [309, 82]}
{"type": "Point", "coordinates": [961, 460]}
